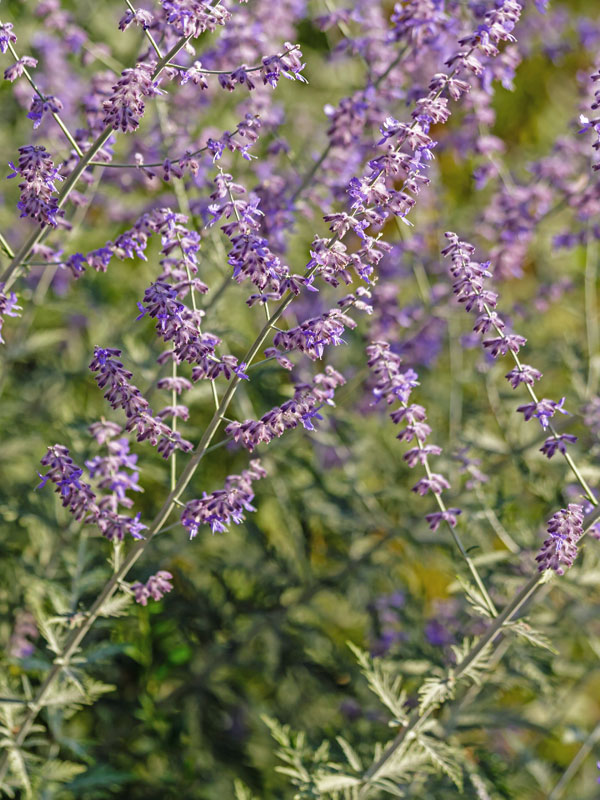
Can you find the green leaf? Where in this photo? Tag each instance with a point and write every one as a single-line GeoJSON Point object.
{"type": "Point", "coordinates": [335, 783]}
{"type": "Point", "coordinates": [61, 771]}
{"type": "Point", "coordinates": [530, 634]}
{"type": "Point", "coordinates": [116, 606]}
{"type": "Point", "coordinates": [435, 691]}
{"type": "Point", "coordinates": [350, 754]}
{"type": "Point", "coordinates": [383, 681]}
{"type": "Point", "coordinates": [443, 758]}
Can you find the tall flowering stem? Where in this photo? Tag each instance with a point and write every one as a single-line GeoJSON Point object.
{"type": "Point", "coordinates": [469, 286]}
{"type": "Point", "coordinates": [395, 385]}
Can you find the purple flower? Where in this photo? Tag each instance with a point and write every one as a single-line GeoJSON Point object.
{"type": "Point", "coordinates": [125, 107]}
{"type": "Point", "coordinates": [6, 36]}
{"type": "Point", "coordinates": [523, 374]}
{"type": "Point", "coordinates": [560, 548]}
{"type": "Point", "coordinates": [393, 383]}
{"type": "Point", "coordinates": [37, 200]}
{"type": "Point", "coordinates": [301, 409]}
{"type": "Point", "coordinates": [18, 68]}
{"type": "Point", "coordinates": [544, 410]}
{"type": "Point", "coordinates": [75, 494]}
{"type": "Point", "coordinates": [155, 587]}
{"type": "Point", "coordinates": [224, 506]}
{"type": "Point", "coordinates": [193, 17]}
{"type": "Point", "coordinates": [8, 307]}
{"type": "Point", "coordinates": [554, 443]}
{"type": "Point", "coordinates": [449, 516]}
{"type": "Point", "coordinates": [313, 335]}
{"type": "Point", "coordinates": [41, 106]}
{"type": "Point", "coordinates": [123, 394]}
{"type": "Point", "coordinates": [140, 17]}
{"type": "Point", "coordinates": [434, 483]}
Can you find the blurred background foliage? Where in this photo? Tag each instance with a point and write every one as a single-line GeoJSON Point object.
{"type": "Point", "coordinates": [338, 550]}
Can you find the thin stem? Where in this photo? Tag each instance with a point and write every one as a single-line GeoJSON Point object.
{"type": "Point", "coordinates": [174, 428]}
{"type": "Point", "coordinates": [6, 247]}
{"type": "Point", "coordinates": [577, 761]}
{"type": "Point", "coordinates": [147, 33]}
{"type": "Point", "coordinates": [42, 97]}
{"type": "Point", "coordinates": [254, 68]}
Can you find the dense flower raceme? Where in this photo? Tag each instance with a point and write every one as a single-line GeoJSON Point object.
{"type": "Point", "coordinates": [155, 587]}
{"type": "Point", "coordinates": [180, 326]}
{"type": "Point", "coordinates": [122, 394]}
{"type": "Point", "coordinates": [302, 409]}
{"type": "Point", "coordinates": [193, 17]}
{"type": "Point", "coordinates": [8, 307]}
{"type": "Point", "coordinates": [395, 385]}
{"type": "Point", "coordinates": [219, 509]}
{"type": "Point", "coordinates": [37, 188]}
{"type": "Point", "coordinates": [117, 471]}
{"type": "Point", "coordinates": [250, 255]}
{"type": "Point", "coordinates": [125, 107]}
{"type": "Point", "coordinates": [469, 287]}
{"type": "Point", "coordinates": [560, 548]}
{"type": "Point", "coordinates": [78, 497]}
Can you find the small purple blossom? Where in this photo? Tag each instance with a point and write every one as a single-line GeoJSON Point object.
{"type": "Point", "coordinates": [302, 409]}
{"type": "Point", "coordinates": [43, 105]}
{"type": "Point", "coordinates": [559, 442]}
{"type": "Point", "coordinates": [18, 68]}
{"type": "Point", "coordinates": [437, 517]}
{"type": "Point", "coordinates": [6, 36]}
{"type": "Point", "coordinates": [155, 587]}
{"type": "Point", "coordinates": [544, 410]}
{"type": "Point", "coordinates": [120, 393]}
{"type": "Point", "coordinates": [193, 17]}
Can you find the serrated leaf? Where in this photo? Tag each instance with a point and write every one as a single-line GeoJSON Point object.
{"type": "Point", "coordinates": [475, 668]}
{"type": "Point", "coordinates": [242, 792]}
{"type": "Point", "coordinates": [383, 681]}
{"type": "Point", "coordinates": [350, 754]}
{"type": "Point", "coordinates": [116, 605]}
{"type": "Point", "coordinates": [19, 769]}
{"type": "Point", "coordinates": [335, 783]}
{"type": "Point", "coordinates": [532, 635]}
{"type": "Point", "coordinates": [443, 758]}
{"type": "Point", "coordinates": [291, 772]}
{"type": "Point", "coordinates": [435, 691]}
{"type": "Point", "coordinates": [388, 786]}
{"type": "Point", "coordinates": [61, 771]}
{"type": "Point", "coordinates": [474, 597]}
